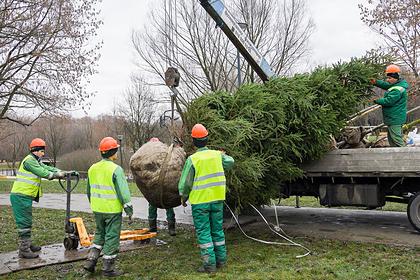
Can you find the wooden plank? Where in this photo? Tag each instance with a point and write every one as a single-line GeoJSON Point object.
{"type": "Point", "coordinates": [54, 254]}
{"type": "Point", "coordinates": [360, 174]}
{"type": "Point", "coordinates": [382, 160]}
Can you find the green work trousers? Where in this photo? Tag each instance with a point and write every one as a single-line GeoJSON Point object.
{"type": "Point", "coordinates": [22, 211]}
{"type": "Point", "coordinates": [208, 223]}
{"type": "Point", "coordinates": [170, 214]}
{"type": "Point", "coordinates": [107, 235]}
{"type": "Point", "coordinates": [395, 138]}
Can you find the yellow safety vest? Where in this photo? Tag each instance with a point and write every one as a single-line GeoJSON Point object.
{"type": "Point", "coordinates": [27, 183]}
{"type": "Point", "coordinates": [103, 197]}
{"type": "Point", "coordinates": [209, 180]}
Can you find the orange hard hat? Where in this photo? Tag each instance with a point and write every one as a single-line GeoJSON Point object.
{"type": "Point", "coordinates": [392, 69]}
{"type": "Point", "coordinates": [108, 143]}
{"type": "Point", "coordinates": [154, 139]}
{"type": "Point", "coordinates": [37, 142]}
{"type": "Point", "coordinates": [199, 131]}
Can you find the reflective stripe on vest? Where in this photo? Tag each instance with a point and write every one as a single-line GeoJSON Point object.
{"type": "Point", "coordinates": [209, 180]}
{"type": "Point", "coordinates": [401, 89]}
{"type": "Point", "coordinates": [103, 197]}
{"type": "Point", "coordinates": [26, 182]}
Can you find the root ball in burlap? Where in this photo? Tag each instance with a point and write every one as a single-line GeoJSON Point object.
{"type": "Point", "coordinates": [157, 168]}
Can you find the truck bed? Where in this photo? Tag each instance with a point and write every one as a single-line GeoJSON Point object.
{"type": "Point", "coordinates": [371, 162]}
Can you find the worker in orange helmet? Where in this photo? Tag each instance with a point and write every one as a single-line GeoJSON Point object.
{"type": "Point", "coordinates": [26, 189]}
{"type": "Point", "coordinates": [394, 103]}
{"type": "Point", "coordinates": [203, 182]}
{"type": "Point", "coordinates": [109, 195]}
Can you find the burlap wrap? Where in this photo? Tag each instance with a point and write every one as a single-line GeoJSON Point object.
{"type": "Point", "coordinates": [157, 169]}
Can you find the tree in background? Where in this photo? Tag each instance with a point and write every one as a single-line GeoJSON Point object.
{"type": "Point", "coordinates": [398, 23]}
{"type": "Point", "coordinates": [44, 55]}
{"type": "Point", "coordinates": [15, 143]}
{"type": "Point", "coordinates": [280, 30]}
{"type": "Point", "coordinates": [138, 113]}
{"type": "Point", "coordinates": [55, 135]}
{"type": "Point", "coordinates": [189, 41]}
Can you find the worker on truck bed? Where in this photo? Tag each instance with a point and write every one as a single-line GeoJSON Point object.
{"type": "Point", "coordinates": [170, 214]}
{"type": "Point", "coordinates": [108, 194]}
{"type": "Point", "coordinates": [26, 189]}
{"type": "Point", "coordinates": [394, 103]}
{"type": "Point", "coordinates": [203, 182]}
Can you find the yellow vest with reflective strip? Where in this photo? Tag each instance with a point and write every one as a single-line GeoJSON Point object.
{"type": "Point", "coordinates": [27, 183]}
{"type": "Point", "coordinates": [103, 197]}
{"type": "Point", "coordinates": [209, 180]}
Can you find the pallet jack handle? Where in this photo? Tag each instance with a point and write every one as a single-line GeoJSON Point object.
{"type": "Point", "coordinates": [68, 189]}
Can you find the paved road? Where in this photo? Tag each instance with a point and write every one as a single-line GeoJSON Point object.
{"type": "Point", "coordinates": [79, 202]}
{"type": "Point", "coordinates": [356, 225]}
{"type": "Point", "coordinates": [383, 227]}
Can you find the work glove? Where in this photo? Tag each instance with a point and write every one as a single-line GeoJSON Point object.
{"type": "Point", "coordinates": [59, 175]}
{"type": "Point", "coordinates": [74, 173]}
{"type": "Point", "coordinates": [130, 219]}
{"type": "Point", "coordinates": [183, 201]}
{"type": "Point", "coordinates": [372, 81]}
{"type": "Point", "coordinates": [128, 210]}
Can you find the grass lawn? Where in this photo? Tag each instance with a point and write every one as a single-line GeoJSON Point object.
{"type": "Point", "coordinates": [247, 259]}
{"type": "Point", "coordinates": [54, 187]}
{"type": "Point", "coordinates": [310, 201]}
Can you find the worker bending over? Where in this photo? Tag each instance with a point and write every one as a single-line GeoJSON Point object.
{"type": "Point", "coordinates": [26, 189]}
{"type": "Point", "coordinates": [108, 193]}
{"type": "Point", "coordinates": [394, 103]}
{"type": "Point", "coordinates": [203, 182]}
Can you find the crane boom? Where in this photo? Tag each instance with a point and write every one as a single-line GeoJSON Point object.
{"type": "Point", "coordinates": [224, 19]}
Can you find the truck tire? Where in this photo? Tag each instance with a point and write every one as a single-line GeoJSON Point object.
{"type": "Point", "coordinates": [413, 211]}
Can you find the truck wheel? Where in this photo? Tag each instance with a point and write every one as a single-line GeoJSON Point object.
{"type": "Point", "coordinates": [413, 211]}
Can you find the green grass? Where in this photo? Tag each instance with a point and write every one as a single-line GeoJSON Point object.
{"type": "Point", "coordinates": [310, 201]}
{"type": "Point", "coordinates": [54, 187]}
{"type": "Point", "coordinates": [247, 259]}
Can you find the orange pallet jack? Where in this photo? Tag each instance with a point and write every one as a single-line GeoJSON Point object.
{"type": "Point", "coordinates": [76, 230]}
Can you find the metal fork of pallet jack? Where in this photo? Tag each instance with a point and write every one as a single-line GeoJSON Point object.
{"type": "Point", "coordinates": [71, 241]}
{"type": "Point", "coordinates": [76, 230]}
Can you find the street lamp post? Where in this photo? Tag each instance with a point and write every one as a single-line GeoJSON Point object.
{"type": "Point", "coordinates": [243, 26]}
{"type": "Point", "coordinates": [120, 137]}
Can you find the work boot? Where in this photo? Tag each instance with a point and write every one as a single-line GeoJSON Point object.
{"type": "Point", "coordinates": [25, 251]}
{"type": "Point", "coordinates": [92, 259]}
{"type": "Point", "coordinates": [152, 225]}
{"type": "Point", "coordinates": [109, 268]}
{"type": "Point", "coordinates": [171, 228]}
{"type": "Point", "coordinates": [220, 265]}
{"type": "Point", "coordinates": [207, 269]}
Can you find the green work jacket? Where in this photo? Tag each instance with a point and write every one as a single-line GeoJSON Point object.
{"type": "Point", "coordinates": [28, 177]}
{"type": "Point", "coordinates": [107, 188]}
{"type": "Point", "coordinates": [202, 178]}
{"type": "Point", "coordinates": [394, 101]}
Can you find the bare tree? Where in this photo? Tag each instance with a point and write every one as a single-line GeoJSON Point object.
{"type": "Point", "coordinates": [398, 23]}
{"type": "Point", "coordinates": [16, 144]}
{"type": "Point", "coordinates": [280, 30]}
{"type": "Point", "coordinates": [206, 58]}
{"type": "Point", "coordinates": [44, 54]}
{"type": "Point", "coordinates": [138, 113]}
{"type": "Point", "coordinates": [55, 135]}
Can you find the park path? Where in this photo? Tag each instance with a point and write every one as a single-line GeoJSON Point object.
{"type": "Point", "coordinates": [383, 227]}
{"type": "Point", "coordinates": [79, 202]}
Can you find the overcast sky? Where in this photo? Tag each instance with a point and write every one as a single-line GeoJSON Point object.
{"type": "Point", "coordinates": [339, 35]}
